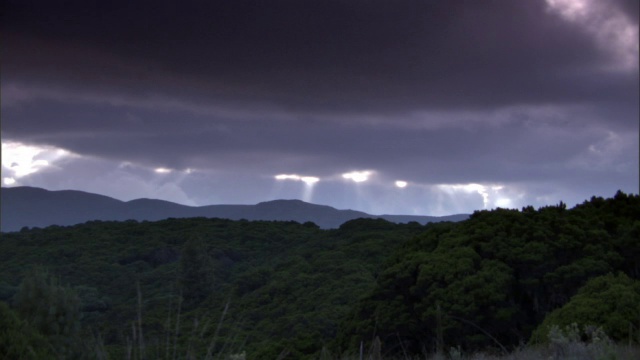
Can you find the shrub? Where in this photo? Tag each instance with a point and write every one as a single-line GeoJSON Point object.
{"type": "Point", "coordinates": [52, 310]}
{"type": "Point", "coordinates": [610, 301]}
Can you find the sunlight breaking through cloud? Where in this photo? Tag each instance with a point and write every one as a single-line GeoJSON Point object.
{"type": "Point", "coordinates": [504, 203]}
{"type": "Point", "coordinates": [612, 29]}
{"type": "Point", "coordinates": [401, 184]}
{"type": "Point", "coordinates": [492, 195]}
{"type": "Point", "coordinates": [287, 177]}
{"type": "Point", "coordinates": [358, 176]}
{"type": "Point", "coordinates": [309, 182]}
{"type": "Point", "coordinates": [20, 160]}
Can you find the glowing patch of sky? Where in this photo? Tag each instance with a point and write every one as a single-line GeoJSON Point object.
{"type": "Point", "coordinates": [610, 27]}
{"type": "Point", "coordinates": [607, 153]}
{"type": "Point", "coordinates": [503, 203]}
{"type": "Point", "coordinates": [287, 177]}
{"type": "Point", "coordinates": [401, 184]}
{"type": "Point", "coordinates": [309, 182]}
{"type": "Point", "coordinates": [357, 176]}
{"type": "Point", "coordinates": [492, 195]}
{"type": "Point", "coordinates": [20, 160]}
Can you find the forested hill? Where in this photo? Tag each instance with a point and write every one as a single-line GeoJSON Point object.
{"type": "Point", "coordinates": [293, 291]}
{"type": "Point", "coordinates": [503, 275]}
{"type": "Point", "coordinates": [35, 207]}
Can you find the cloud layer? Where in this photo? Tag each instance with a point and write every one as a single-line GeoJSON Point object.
{"type": "Point", "coordinates": [537, 98]}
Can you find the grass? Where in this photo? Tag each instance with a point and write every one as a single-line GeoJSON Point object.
{"type": "Point", "coordinates": [569, 343]}
{"type": "Point", "coordinates": [202, 340]}
{"type": "Point", "coordinates": [571, 352]}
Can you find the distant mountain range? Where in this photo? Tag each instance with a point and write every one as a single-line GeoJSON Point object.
{"type": "Point", "coordinates": [36, 207]}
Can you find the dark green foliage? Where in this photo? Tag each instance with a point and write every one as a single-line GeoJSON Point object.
{"type": "Point", "coordinates": [196, 272]}
{"type": "Point", "coordinates": [293, 289]}
{"type": "Point", "coordinates": [283, 280]}
{"type": "Point", "coordinates": [611, 302]}
{"type": "Point", "coordinates": [18, 340]}
{"type": "Point", "coordinates": [489, 281]}
{"type": "Point", "coordinates": [52, 310]}
{"type": "Point", "coordinates": [7, 291]}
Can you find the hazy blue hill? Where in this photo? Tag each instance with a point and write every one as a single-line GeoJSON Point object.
{"type": "Point", "coordinates": [423, 219]}
{"type": "Point", "coordinates": [325, 216]}
{"type": "Point", "coordinates": [153, 209]}
{"type": "Point", "coordinates": [35, 207]}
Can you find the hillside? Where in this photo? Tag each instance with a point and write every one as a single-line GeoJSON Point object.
{"type": "Point", "coordinates": [35, 207]}
{"type": "Point", "coordinates": [493, 282]}
{"type": "Point", "coordinates": [278, 277]}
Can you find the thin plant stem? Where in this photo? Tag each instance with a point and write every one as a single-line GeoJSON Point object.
{"type": "Point", "coordinates": [176, 333]}
{"type": "Point", "coordinates": [215, 335]}
{"type": "Point", "coordinates": [140, 337]}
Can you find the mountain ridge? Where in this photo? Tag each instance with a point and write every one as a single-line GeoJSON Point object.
{"type": "Point", "coordinates": [26, 206]}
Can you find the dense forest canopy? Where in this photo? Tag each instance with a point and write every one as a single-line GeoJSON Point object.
{"type": "Point", "coordinates": [198, 285]}
{"type": "Point", "coordinates": [491, 280]}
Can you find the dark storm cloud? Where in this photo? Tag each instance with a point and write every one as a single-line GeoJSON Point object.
{"type": "Point", "coordinates": [430, 92]}
{"type": "Point", "coordinates": [631, 8]}
{"type": "Point", "coordinates": [313, 55]}
{"type": "Point", "coordinates": [517, 150]}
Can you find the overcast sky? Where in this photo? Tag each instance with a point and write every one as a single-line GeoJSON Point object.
{"type": "Point", "coordinates": [427, 107]}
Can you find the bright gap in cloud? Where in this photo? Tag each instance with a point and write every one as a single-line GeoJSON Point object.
{"type": "Point", "coordinates": [504, 203]}
{"type": "Point", "coordinates": [492, 195]}
{"type": "Point", "coordinates": [309, 182]}
{"type": "Point", "coordinates": [20, 160]}
{"type": "Point", "coordinates": [287, 177]}
{"type": "Point", "coordinates": [401, 184]}
{"type": "Point", "coordinates": [611, 28]}
{"type": "Point", "coordinates": [570, 9]}
{"type": "Point", "coordinates": [357, 176]}
{"type": "Point", "coordinates": [124, 180]}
